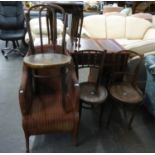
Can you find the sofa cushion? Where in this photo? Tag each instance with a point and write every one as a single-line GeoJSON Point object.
{"type": "Point", "coordinates": [35, 28]}
{"type": "Point", "coordinates": [114, 28]}
{"type": "Point", "coordinates": [91, 22]}
{"type": "Point", "coordinates": [136, 27]}
{"type": "Point", "coordinates": [45, 40]}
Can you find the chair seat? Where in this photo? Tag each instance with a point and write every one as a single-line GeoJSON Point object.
{"type": "Point", "coordinates": [47, 114]}
{"type": "Point", "coordinates": [88, 95]}
{"type": "Point", "coordinates": [12, 34]}
{"type": "Point", "coordinates": [126, 93]}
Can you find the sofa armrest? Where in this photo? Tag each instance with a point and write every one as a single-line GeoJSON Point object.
{"type": "Point", "coordinates": [72, 92]}
{"type": "Point", "coordinates": [75, 87]}
{"type": "Point", "coordinates": [142, 47]}
{"type": "Point", "coordinates": [24, 92]}
{"type": "Point", "coordinates": [76, 97]}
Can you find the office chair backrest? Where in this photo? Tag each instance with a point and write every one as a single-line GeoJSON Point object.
{"type": "Point", "coordinates": [48, 24]}
{"type": "Point", "coordinates": [11, 15]}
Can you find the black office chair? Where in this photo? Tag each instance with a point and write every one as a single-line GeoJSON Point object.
{"type": "Point", "coordinates": [12, 25]}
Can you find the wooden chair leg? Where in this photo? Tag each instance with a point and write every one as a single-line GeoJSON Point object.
{"type": "Point", "coordinates": [75, 135]}
{"type": "Point", "coordinates": [6, 43]}
{"type": "Point", "coordinates": [100, 116]}
{"type": "Point", "coordinates": [27, 142]}
{"type": "Point", "coordinates": [124, 111]}
{"type": "Point", "coordinates": [75, 141]}
{"type": "Point", "coordinates": [132, 117]}
{"type": "Point", "coordinates": [80, 109]}
{"type": "Point", "coordinates": [110, 116]}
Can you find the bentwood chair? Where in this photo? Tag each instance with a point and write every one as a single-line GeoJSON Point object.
{"type": "Point", "coordinates": [42, 97]}
{"type": "Point", "coordinates": [12, 26]}
{"type": "Point", "coordinates": [92, 94]}
{"type": "Point", "coordinates": [124, 88]}
{"type": "Point", "coordinates": [50, 30]}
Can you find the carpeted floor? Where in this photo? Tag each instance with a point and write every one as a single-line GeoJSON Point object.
{"type": "Point", "coordinates": [91, 139]}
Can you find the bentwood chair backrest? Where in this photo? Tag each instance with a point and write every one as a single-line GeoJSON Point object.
{"type": "Point", "coordinates": [49, 33]}
{"type": "Point", "coordinates": [90, 59]}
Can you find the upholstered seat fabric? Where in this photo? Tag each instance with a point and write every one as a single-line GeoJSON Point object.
{"type": "Point", "coordinates": [47, 110]}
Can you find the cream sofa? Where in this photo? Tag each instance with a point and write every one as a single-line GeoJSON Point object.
{"type": "Point", "coordinates": [132, 33]}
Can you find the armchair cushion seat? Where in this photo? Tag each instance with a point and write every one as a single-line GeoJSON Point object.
{"type": "Point", "coordinates": [47, 109]}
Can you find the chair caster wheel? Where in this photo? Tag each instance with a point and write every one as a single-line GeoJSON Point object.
{"type": "Point", "coordinates": [2, 52]}
{"type": "Point", "coordinates": [22, 54]}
